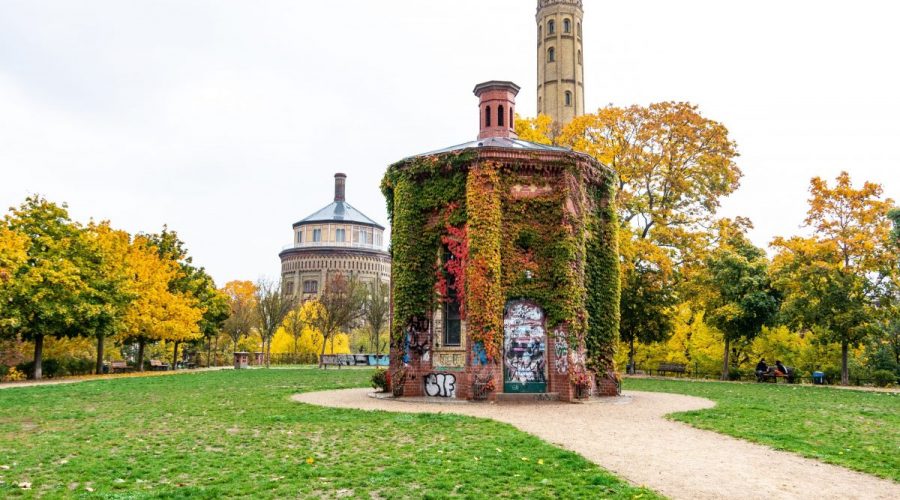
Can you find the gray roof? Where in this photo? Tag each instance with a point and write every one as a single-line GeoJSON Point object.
{"type": "Point", "coordinates": [497, 142]}
{"type": "Point", "coordinates": [340, 211]}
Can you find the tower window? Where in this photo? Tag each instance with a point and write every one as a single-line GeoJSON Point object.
{"type": "Point", "coordinates": [487, 116]}
{"type": "Point", "coordinates": [512, 118]}
{"type": "Point", "coordinates": [567, 26]}
{"type": "Point", "coordinates": [579, 29]}
{"type": "Point", "coordinates": [340, 235]}
{"type": "Point", "coordinates": [317, 235]}
{"type": "Point", "coordinates": [500, 116]}
{"type": "Point", "coordinates": [551, 27]}
{"type": "Point", "coordinates": [568, 98]}
{"type": "Point", "coordinates": [540, 105]}
{"type": "Point", "coordinates": [551, 55]}
{"type": "Point", "coordinates": [579, 57]}
{"type": "Point", "coordinates": [310, 286]}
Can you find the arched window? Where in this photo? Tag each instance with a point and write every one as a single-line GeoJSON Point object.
{"type": "Point", "coordinates": [551, 27]}
{"type": "Point", "coordinates": [567, 26]}
{"type": "Point", "coordinates": [579, 29]}
{"type": "Point", "coordinates": [487, 116]}
{"type": "Point", "coordinates": [540, 105]}
{"type": "Point", "coordinates": [568, 98]}
{"type": "Point", "coordinates": [579, 57]}
{"type": "Point", "coordinates": [512, 118]}
{"type": "Point", "coordinates": [551, 54]}
{"type": "Point", "coordinates": [500, 115]}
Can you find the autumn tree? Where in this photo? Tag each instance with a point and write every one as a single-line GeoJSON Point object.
{"type": "Point", "coordinates": [648, 298]}
{"type": "Point", "coordinates": [47, 294]}
{"type": "Point", "coordinates": [192, 281]}
{"type": "Point", "coordinates": [375, 309]}
{"type": "Point", "coordinates": [894, 215]}
{"type": "Point", "coordinates": [674, 167]}
{"type": "Point", "coordinates": [296, 321]}
{"type": "Point", "coordinates": [242, 305]}
{"type": "Point", "coordinates": [109, 280]}
{"type": "Point", "coordinates": [742, 297]}
{"type": "Point", "coordinates": [272, 306]}
{"type": "Point", "coordinates": [160, 312]}
{"type": "Point", "coordinates": [831, 281]}
{"type": "Point", "coordinates": [338, 307]}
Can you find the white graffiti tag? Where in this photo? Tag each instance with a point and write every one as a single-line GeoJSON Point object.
{"type": "Point", "coordinates": [440, 385]}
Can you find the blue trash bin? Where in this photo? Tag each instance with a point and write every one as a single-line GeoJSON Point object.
{"type": "Point", "coordinates": [818, 378]}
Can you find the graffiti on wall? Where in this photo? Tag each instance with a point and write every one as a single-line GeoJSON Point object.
{"type": "Point", "coordinates": [449, 360]}
{"type": "Point", "coordinates": [524, 343]}
{"type": "Point", "coordinates": [355, 359]}
{"type": "Point", "coordinates": [416, 341]}
{"type": "Point", "coordinates": [479, 354]}
{"type": "Point", "coordinates": [561, 350]}
{"type": "Point", "coordinates": [442, 385]}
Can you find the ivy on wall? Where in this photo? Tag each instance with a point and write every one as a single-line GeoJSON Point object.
{"type": "Point", "coordinates": [419, 191]}
{"type": "Point", "coordinates": [484, 304]}
{"type": "Point", "coordinates": [555, 244]}
{"type": "Point", "coordinates": [602, 278]}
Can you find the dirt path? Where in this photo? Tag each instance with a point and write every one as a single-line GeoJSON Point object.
{"type": "Point", "coordinates": [630, 438]}
{"type": "Point", "coordinates": [89, 378]}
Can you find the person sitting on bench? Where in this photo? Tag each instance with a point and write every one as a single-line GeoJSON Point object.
{"type": "Point", "coordinates": [780, 369]}
{"type": "Point", "coordinates": [761, 368]}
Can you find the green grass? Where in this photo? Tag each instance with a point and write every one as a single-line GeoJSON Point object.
{"type": "Point", "coordinates": [856, 429]}
{"type": "Point", "coordinates": [236, 433]}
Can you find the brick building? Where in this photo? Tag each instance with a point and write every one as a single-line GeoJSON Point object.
{"type": "Point", "coordinates": [336, 239]}
{"type": "Point", "coordinates": [525, 228]}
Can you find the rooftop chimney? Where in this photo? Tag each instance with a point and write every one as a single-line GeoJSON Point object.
{"type": "Point", "coordinates": [340, 181]}
{"type": "Point", "coordinates": [497, 108]}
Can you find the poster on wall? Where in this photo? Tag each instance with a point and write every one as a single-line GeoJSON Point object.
{"type": "Point", "coordinates": [524, 346]}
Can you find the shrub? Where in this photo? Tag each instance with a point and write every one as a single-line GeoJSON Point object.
{"type": "Point", "coordinates": [884, 378]}
{"type": "Point", "coordinates": [379, 380]}
{"type": "Point", "coordinates": [11, 374]}
{"type": "Point", "coordinates": [64, 367]}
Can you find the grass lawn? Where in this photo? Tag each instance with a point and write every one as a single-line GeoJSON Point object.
{"type": "Point", "coordinates": [856, 429]}
{"type": "Point", "coordinates": [236, 433]}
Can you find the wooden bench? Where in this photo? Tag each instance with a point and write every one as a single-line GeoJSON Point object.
{"type": "Point", "coordinates": [678, 368]}
{"type": "Point", "coordinates": [157, 365]}
{"type": "Point", "coordinates": [118, 367]}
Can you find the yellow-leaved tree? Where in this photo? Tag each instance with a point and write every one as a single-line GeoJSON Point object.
{"type": "Point", "coordinates": [157, 313]}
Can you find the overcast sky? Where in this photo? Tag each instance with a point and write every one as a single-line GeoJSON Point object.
{"type": "Point", "coordinates": [226, 120]}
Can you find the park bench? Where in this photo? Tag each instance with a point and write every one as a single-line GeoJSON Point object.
{"type": "Point", "coordinates": [678, 368]}
{"type": "Point", "coordinates": [772, 376]}
{"type": "Point", "coordinates": [118, 367]}
{"type": "Point", "coordinates": [157, 365]}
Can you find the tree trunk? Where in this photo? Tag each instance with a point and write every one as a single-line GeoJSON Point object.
{"type": "Point", "coordinates": [99, 370]}
{"type": "Point", "coordinates": [38, 356]}
{"type": "Point", "coordinates": [631, 356]}
{"type": "Point", "coordinates": [322, 356]}
{"type": "Point", "coordinates": [175, 355]}
{"type": "Point", "coordinates": [140, 356]}
{"type": "Point", "coordinates": [845, 372]}
{"type": "Point", "coordinates": [268, 352]}
{"type": "Point", "coordinates": [208, 351]}
{"type": "Point", "coordinates": [725, 360]}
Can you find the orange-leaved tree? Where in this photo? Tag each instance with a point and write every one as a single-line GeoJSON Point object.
{"type": "Point", "coordinates": [831, 281]}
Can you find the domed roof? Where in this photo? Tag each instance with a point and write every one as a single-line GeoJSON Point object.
{"type": "Point", "coordinates": [339, 211]}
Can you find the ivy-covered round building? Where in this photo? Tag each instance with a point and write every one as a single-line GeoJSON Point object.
{"type": "Point", "coordinates": [505, 274]}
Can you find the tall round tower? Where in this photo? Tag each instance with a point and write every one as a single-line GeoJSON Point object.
{"type": "Point", "coordinates": [560, 70]}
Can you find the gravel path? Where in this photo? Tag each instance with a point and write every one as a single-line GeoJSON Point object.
{"type": "Point", "coordinates": [629, 437]}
